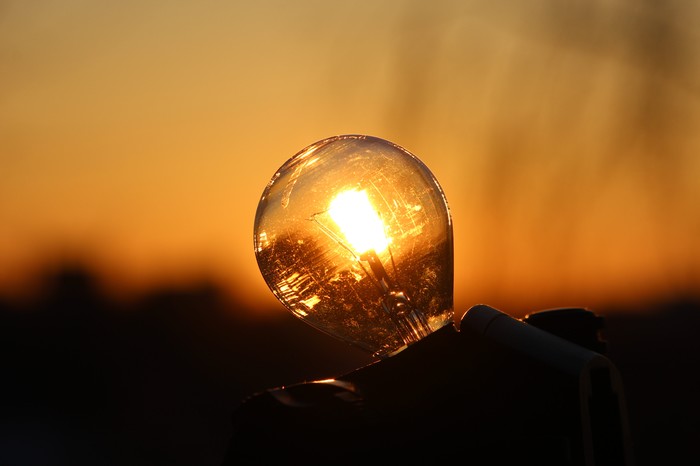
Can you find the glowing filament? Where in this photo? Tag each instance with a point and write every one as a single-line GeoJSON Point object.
{"type": "Point", "coordinates": [358, 221]}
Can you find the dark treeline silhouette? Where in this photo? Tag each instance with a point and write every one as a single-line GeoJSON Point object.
{"type": "Point", "coordinates": [86, 380]}
{"type": "Point", "coordinates": [154, 381]}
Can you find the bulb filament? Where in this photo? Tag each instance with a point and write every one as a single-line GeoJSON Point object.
{"type": "Point", "coordinates": [363, 232]}
{"type": "Point", "coordinates": [410, 322]}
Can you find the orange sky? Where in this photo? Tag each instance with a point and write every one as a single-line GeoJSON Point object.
{"type": "Point", "coordinates": [141, 135]}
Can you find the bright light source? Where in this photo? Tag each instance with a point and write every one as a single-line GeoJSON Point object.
{"type": "Point", "coordinates": [358, 221]}
{"type": "Point", "coordinates": [353, 235]}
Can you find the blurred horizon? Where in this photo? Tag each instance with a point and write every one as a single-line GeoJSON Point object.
{"type": "Point", "coordinates": [137, 137]}
{"type": "Point", "coordinates": [154, 380]}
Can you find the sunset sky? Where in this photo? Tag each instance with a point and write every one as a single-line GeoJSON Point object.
{"type": "Point", "coordinates": [139, 135]}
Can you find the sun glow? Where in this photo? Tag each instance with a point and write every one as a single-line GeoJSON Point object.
{"type": "Point", "coordinates": [360, 224]}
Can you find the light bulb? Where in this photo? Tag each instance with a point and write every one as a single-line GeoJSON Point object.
{"type": "Point", "coordinates": [353, 235]}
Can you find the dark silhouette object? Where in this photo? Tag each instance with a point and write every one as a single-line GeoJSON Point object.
{"type": "Point", "coordinates": [88, 379]}
{"type": "Point", "coordinates": [497, 391]}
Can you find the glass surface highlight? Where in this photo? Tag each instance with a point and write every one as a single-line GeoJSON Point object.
{"type": "Point", "coordinates": [353, 235]}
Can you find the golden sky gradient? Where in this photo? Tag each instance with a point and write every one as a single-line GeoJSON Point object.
{"type": "Point", "coordinates": [140, 135]}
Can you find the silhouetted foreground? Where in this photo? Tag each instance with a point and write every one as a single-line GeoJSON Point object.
{"type": "Point", "coordinates": [155, 381]}
{"type": "Point", "coordinates": [498, 391]}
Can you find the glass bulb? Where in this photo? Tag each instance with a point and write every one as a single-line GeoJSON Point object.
{"type": "Point", "coordinates": [353, 235]}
